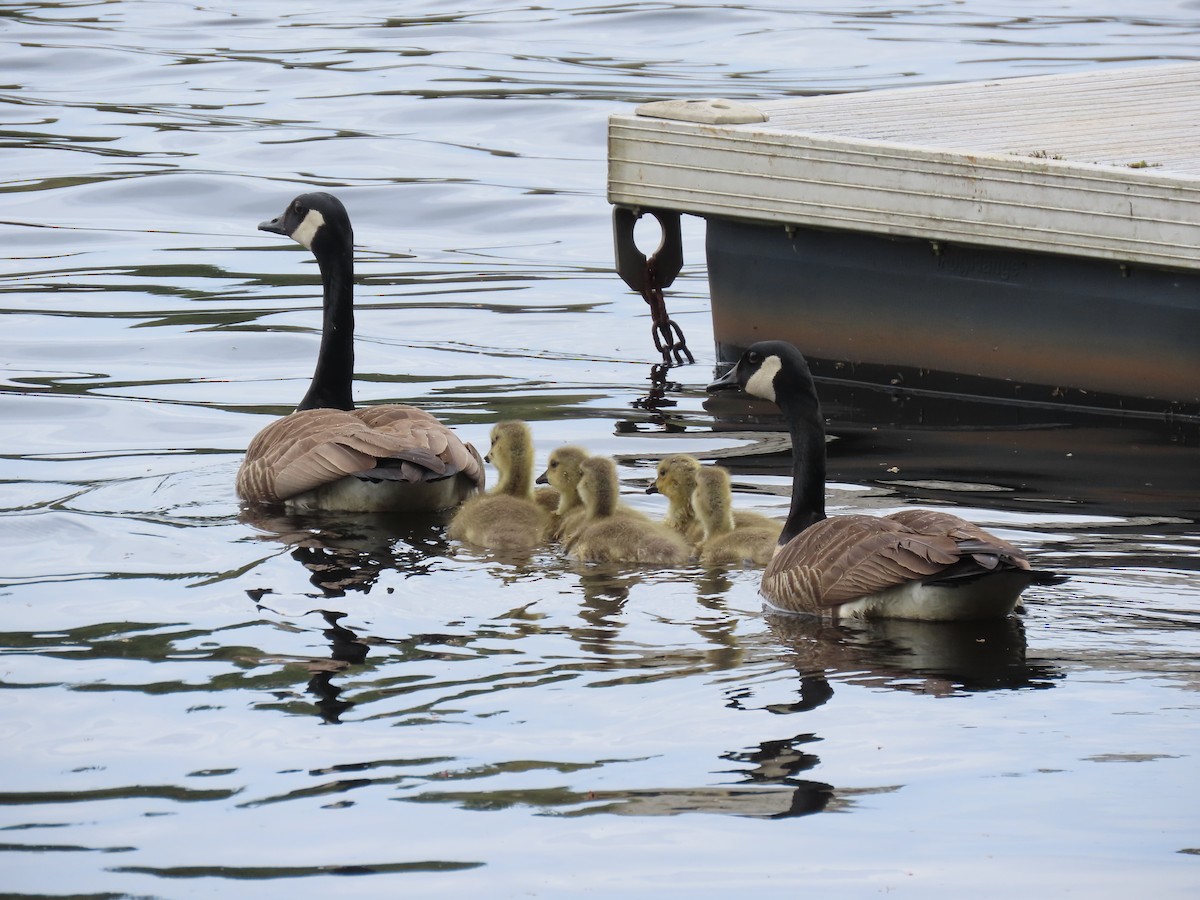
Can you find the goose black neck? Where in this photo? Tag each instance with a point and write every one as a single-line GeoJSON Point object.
{"type": "Point", "coordinates": [807, 428]}
{"type": "Point", "coordinates": [333, 379]}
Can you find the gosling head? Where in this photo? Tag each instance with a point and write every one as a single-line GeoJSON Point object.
{"type": "Point", "coordinates": [315, 221]}
{"type": "Point", "coordinates": [562, 469]}
{"type": "Point", "coordinates": [511, 445]}
{"type": "Point", "coordinates": [675, 478]}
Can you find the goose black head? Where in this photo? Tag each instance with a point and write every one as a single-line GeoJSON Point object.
{"type": "Point", "coordinates": [770, 370]}
{"type": "Point", "coordinates": [313, 221]}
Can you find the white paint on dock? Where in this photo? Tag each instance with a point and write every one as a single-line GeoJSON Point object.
{"type": "Point", "coordinates": [1102, 164]}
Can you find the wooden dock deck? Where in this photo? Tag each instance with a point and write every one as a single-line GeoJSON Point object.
{"type": "Point", "coordinates": [1098, 168]}
{"type": "Point", "coordinates": [1103, 164]}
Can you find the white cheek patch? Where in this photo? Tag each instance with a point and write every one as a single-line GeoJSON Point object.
{"type": "Point", "coordinates": [307, 230]}
{"type": "Point", "coordinates": [762, 382]}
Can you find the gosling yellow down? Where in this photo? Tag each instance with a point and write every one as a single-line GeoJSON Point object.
{"type": "Point", "coordinates": [675, 479]}
{"type": "Point", "coordinates": [562, 474]}
{"type": "Point", "coordinates": [506, 517]}
{"type": "Point", "coordinates": [608, 536]}
{"type": "Point", "coordinates": [726, 542]}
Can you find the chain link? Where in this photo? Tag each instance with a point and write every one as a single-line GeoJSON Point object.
{"type": "Point", "coordinates": [668, 336]}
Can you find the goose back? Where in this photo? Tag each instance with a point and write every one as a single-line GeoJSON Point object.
{"type": "Point", "coordinates": [375, 459]}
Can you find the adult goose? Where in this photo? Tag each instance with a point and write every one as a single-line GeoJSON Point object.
{"type": "Point", "coordinates": [327, 454]}
{"type": "Point", "coordinates": [915, 564]}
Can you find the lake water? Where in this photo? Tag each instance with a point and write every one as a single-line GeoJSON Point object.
{"type": "Point", "coordinates": [197, 703]}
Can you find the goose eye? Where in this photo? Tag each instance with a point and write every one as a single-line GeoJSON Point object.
{"type": "Point", "coordinates": [753, 357]}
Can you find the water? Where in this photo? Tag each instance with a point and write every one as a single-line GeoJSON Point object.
{"type": "Point", "coordinates": [200, 703]}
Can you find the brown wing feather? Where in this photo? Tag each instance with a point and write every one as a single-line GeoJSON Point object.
{"type": "Point", "coordinates": [414, 428]}
{"type": "Point", "coordinates": [987, 549]}
{"type": "Point", "coordinates": [310, 448]}
{"type": "Point", "coordinates": [846, 557]}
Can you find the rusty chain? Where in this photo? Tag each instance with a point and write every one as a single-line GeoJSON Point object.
{"type": "Point", "coordinates": [668, 336]}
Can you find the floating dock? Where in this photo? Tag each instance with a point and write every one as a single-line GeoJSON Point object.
{"type": "Point", "coordinates": [1027, 239]}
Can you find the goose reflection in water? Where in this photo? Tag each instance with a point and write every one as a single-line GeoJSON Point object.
{"type": "Point", "coordinates": [768, 789]}
{"type": "Point", "coordinates": [777, 764]}
{"type": "Point", "coordinates": [341, 554]}
{"type": "Point", "coordinates": [924, 657]}
{"type": "Point", "coordinates": [348, 553]}
{"type": "Point", "coordinates": [346, 649]}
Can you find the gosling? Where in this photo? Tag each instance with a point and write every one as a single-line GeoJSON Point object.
{"type": "Point", "coordinates": [675, 479]}
{"type": "Point", "coordinates": [726, 542]}
{"type": "Point", "coordinates": [506, 517]}
{"type": "Point", "coordinates": [608, 536]}
{"type": "Point", "coordinates": [562, 474]}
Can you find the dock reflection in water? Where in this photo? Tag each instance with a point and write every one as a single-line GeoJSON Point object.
{"type": "Point", "coordinates": [1012, 454]}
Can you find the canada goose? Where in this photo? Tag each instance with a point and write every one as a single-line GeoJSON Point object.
{"type": "Point", "coordinates": [563, 474]}
{"type": "Point", "coordinates": [608, 536]}
{"type": "Point", "coordinates": [724, 541]}
{"type": "Point", "coordinates": [507, 517]}
{"type": "Point", "coordinates": [327, 454]}
{"type": "Point", "coordinates": [915, 564]}
{"type": "Point", "coordinates": [675, 479]}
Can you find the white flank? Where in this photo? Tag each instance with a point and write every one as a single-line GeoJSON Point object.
{"type": "Point", "coordinates": [307, 230]}
{"type": "Point", "coordinates": [762, 382]}
{"type": "Point", "coordinates": [989, 597]}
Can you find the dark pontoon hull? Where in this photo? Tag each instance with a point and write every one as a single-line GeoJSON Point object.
{"type": "Point", "coordinates": [911, 313]}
